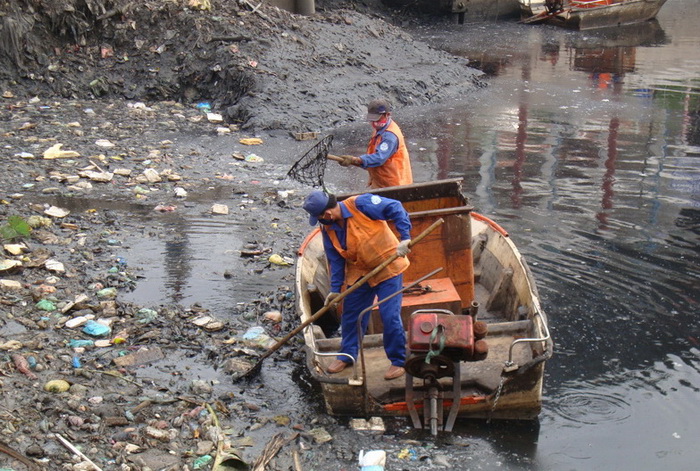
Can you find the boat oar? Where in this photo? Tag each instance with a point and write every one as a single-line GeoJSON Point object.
{"type": "Point", "coordinates": [256, 367]}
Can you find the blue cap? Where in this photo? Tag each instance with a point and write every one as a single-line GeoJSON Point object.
{"type": "Point", "coordinates": [315, 204]}
{"type": "Point", "coordinates": [377, 108]}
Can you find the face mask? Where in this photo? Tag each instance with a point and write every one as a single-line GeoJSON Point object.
{"type": "Point", "coordinates": [377, 125]}
{"type": "Point", "coordinates": [326, 221]}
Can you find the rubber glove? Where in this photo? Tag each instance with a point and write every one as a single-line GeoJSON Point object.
{"type": "Point", "coordinates": [331, 296]}
{"type": "Point", "coordinates": [349, 160]}
{"type": "Point", "coordinates": [402, 249]}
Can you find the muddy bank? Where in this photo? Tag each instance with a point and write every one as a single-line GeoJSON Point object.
{"type": "Point", "coordinates": [80, 179]}
{"type": "Point", "coordinates": [262, 68]}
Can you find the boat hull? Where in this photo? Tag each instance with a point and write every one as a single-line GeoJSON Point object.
{"type": "Point", "coordinates": [473, 269]}
{"type": "Point", "coordinates": [594, 14]}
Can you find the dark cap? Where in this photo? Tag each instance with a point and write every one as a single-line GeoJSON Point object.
{"type": "Point", "coordinates": [317, 203]}
{"type": "Point", "coordinates": [377, 108]}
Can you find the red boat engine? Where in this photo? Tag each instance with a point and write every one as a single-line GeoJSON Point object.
{"type": "Point", "coordinates": [437, 339]}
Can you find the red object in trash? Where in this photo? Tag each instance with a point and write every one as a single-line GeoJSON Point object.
{"type": "Point", "coordinates": [454, 334]}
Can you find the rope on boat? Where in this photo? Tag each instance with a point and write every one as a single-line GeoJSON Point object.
{"type": "Point", "coordinates": [432, 353]}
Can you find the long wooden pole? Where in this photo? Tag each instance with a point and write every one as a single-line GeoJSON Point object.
{"type": "Point", "coordinates": [339, 298]}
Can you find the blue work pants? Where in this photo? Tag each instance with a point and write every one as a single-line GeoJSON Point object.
{"type": "Point", "coordinates": [390, 312]}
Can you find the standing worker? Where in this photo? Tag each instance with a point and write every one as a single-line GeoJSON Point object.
{"type": "Point", "coordinates": [357, 239]}
{"type": "Point", "coordinates": [386, 160]}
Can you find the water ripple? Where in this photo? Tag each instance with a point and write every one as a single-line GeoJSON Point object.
{"type": "Point", "coordinates": [591, 407]}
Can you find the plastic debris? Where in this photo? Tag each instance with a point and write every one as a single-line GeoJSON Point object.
{"type": "Point", "coordinates": [54, 266]}
{"type": "Point", "coordinates": [279, 260]}
{"type": "Point", "coordinates": [11, 345]}
{"type": "Point", "coordinates": [373, 460]}
{"type": "Point", "coordinates": [55, 152]}
{"type": "Point", "coordinates": [273, 316]}
{"type": "Point", "coordinates": [165, 208]}
{"type": "Point", "coordinates": [15, 249]}
{"type": "Point", "coordinates": [7, 264]}
{"type": "Point", "coordinates": [104, 143]}
{"type": "Point", "coordinates": [78, 321]}
{"type": "Point", "coordinates": [146, 316]}
{"type": "Point", "coordinates": [251, 141]}
{"type": "Point", "coordinates": [45, 305]}
{"type": "Point", "coordinates": [140, 357]}
{"type": "Point", "coordinates": [253, 158]}
{"type": "Point", "coordinates": [152, 175]}
{"type": "Point", "coordinates": [96, 329]}
{"type": "Point", "coordinates": [22, 365]}
{"type": "Point", "coordinates": [10, 284]}
{"type": "Point", "coordinates": [257, 337]}
{"type": "Point", "coordinates": [320, 435]}
{"type": "Point", "coordinates": [100, 177]}
{"type": "Point", "coordinates": [215, 118]}
{"type": "Point", "coordinates": [38, 221]}
{"type": "Point", "coordinates": [202, 462]}
{"type": "Point", "coordinates": [208, 323]}
{"type": "Point", "coordinates": [107, 293]}
{"type": "Point", "coordinates": [375, 424]}
{"type": "Point", "coordinates": [408, 454]}
{"type": "Point", "coordinates": [56, 212]}
{"type": "Point", "coordinates": [219, 209]}
{"type": "Point", "coordinates": [305, 136]}
{"type": "Point", "coordinates": [57, 386]}
{"type": "Point", "coordinates": [80, 343]}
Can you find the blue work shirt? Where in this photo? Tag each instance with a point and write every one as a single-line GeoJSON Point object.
{"type": "Point", "coordinates": [375, 207]}
{"type": "Point", "coordinates": [389, 144]}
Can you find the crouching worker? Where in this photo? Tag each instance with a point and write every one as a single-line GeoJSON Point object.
{"type": "Point", "coordinates": [357, 239]}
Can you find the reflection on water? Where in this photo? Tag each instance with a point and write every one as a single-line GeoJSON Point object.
{"type": "Point", "coordinates": [189, 260]}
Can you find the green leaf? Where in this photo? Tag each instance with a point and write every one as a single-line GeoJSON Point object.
{"type": "Point", "coordinates": [19, 225]}
{"type": "Point", "coordinates": [15, 228]}
{"type": "Point", "coordinates": [7, 233]}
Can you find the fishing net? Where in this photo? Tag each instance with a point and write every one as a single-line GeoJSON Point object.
{"type": "Point", "coordinates": [309, 170]}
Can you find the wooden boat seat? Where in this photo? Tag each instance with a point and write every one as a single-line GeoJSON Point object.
{"type": "Point", "coordinates": [436, 293]}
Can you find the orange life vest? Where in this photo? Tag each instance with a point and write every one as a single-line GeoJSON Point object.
{"type": "Point", "coordinates": [397, 168]}
{"type": "Point", "coordinates": [369, 243]}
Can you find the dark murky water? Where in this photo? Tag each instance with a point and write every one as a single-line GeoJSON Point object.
{"type": "Point", "coordinates": [586, 147]}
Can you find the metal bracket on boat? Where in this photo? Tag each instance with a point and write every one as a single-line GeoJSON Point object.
{"type": "Point", "coordinates": [510, 365]}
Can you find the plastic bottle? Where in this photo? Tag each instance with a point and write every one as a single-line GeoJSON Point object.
{"type": "Point", "coordinates": [373, 460]}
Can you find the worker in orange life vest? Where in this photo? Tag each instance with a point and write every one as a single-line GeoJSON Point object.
{"type": "Point", "coordinates": [356, 239]}
{"type": "Point", "coordinates": [386, 160]}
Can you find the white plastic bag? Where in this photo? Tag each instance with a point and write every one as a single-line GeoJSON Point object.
{"type": "Point", "coordinates": [373, 460]}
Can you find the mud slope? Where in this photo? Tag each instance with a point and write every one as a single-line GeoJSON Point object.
{"type": "Point", "coordinates": [263, 68]}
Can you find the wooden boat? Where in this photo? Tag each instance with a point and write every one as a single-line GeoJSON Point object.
{"type": "Point", "coordinates": [465, 277]}
{"type": "Point", "coordinates": [589, 14]}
